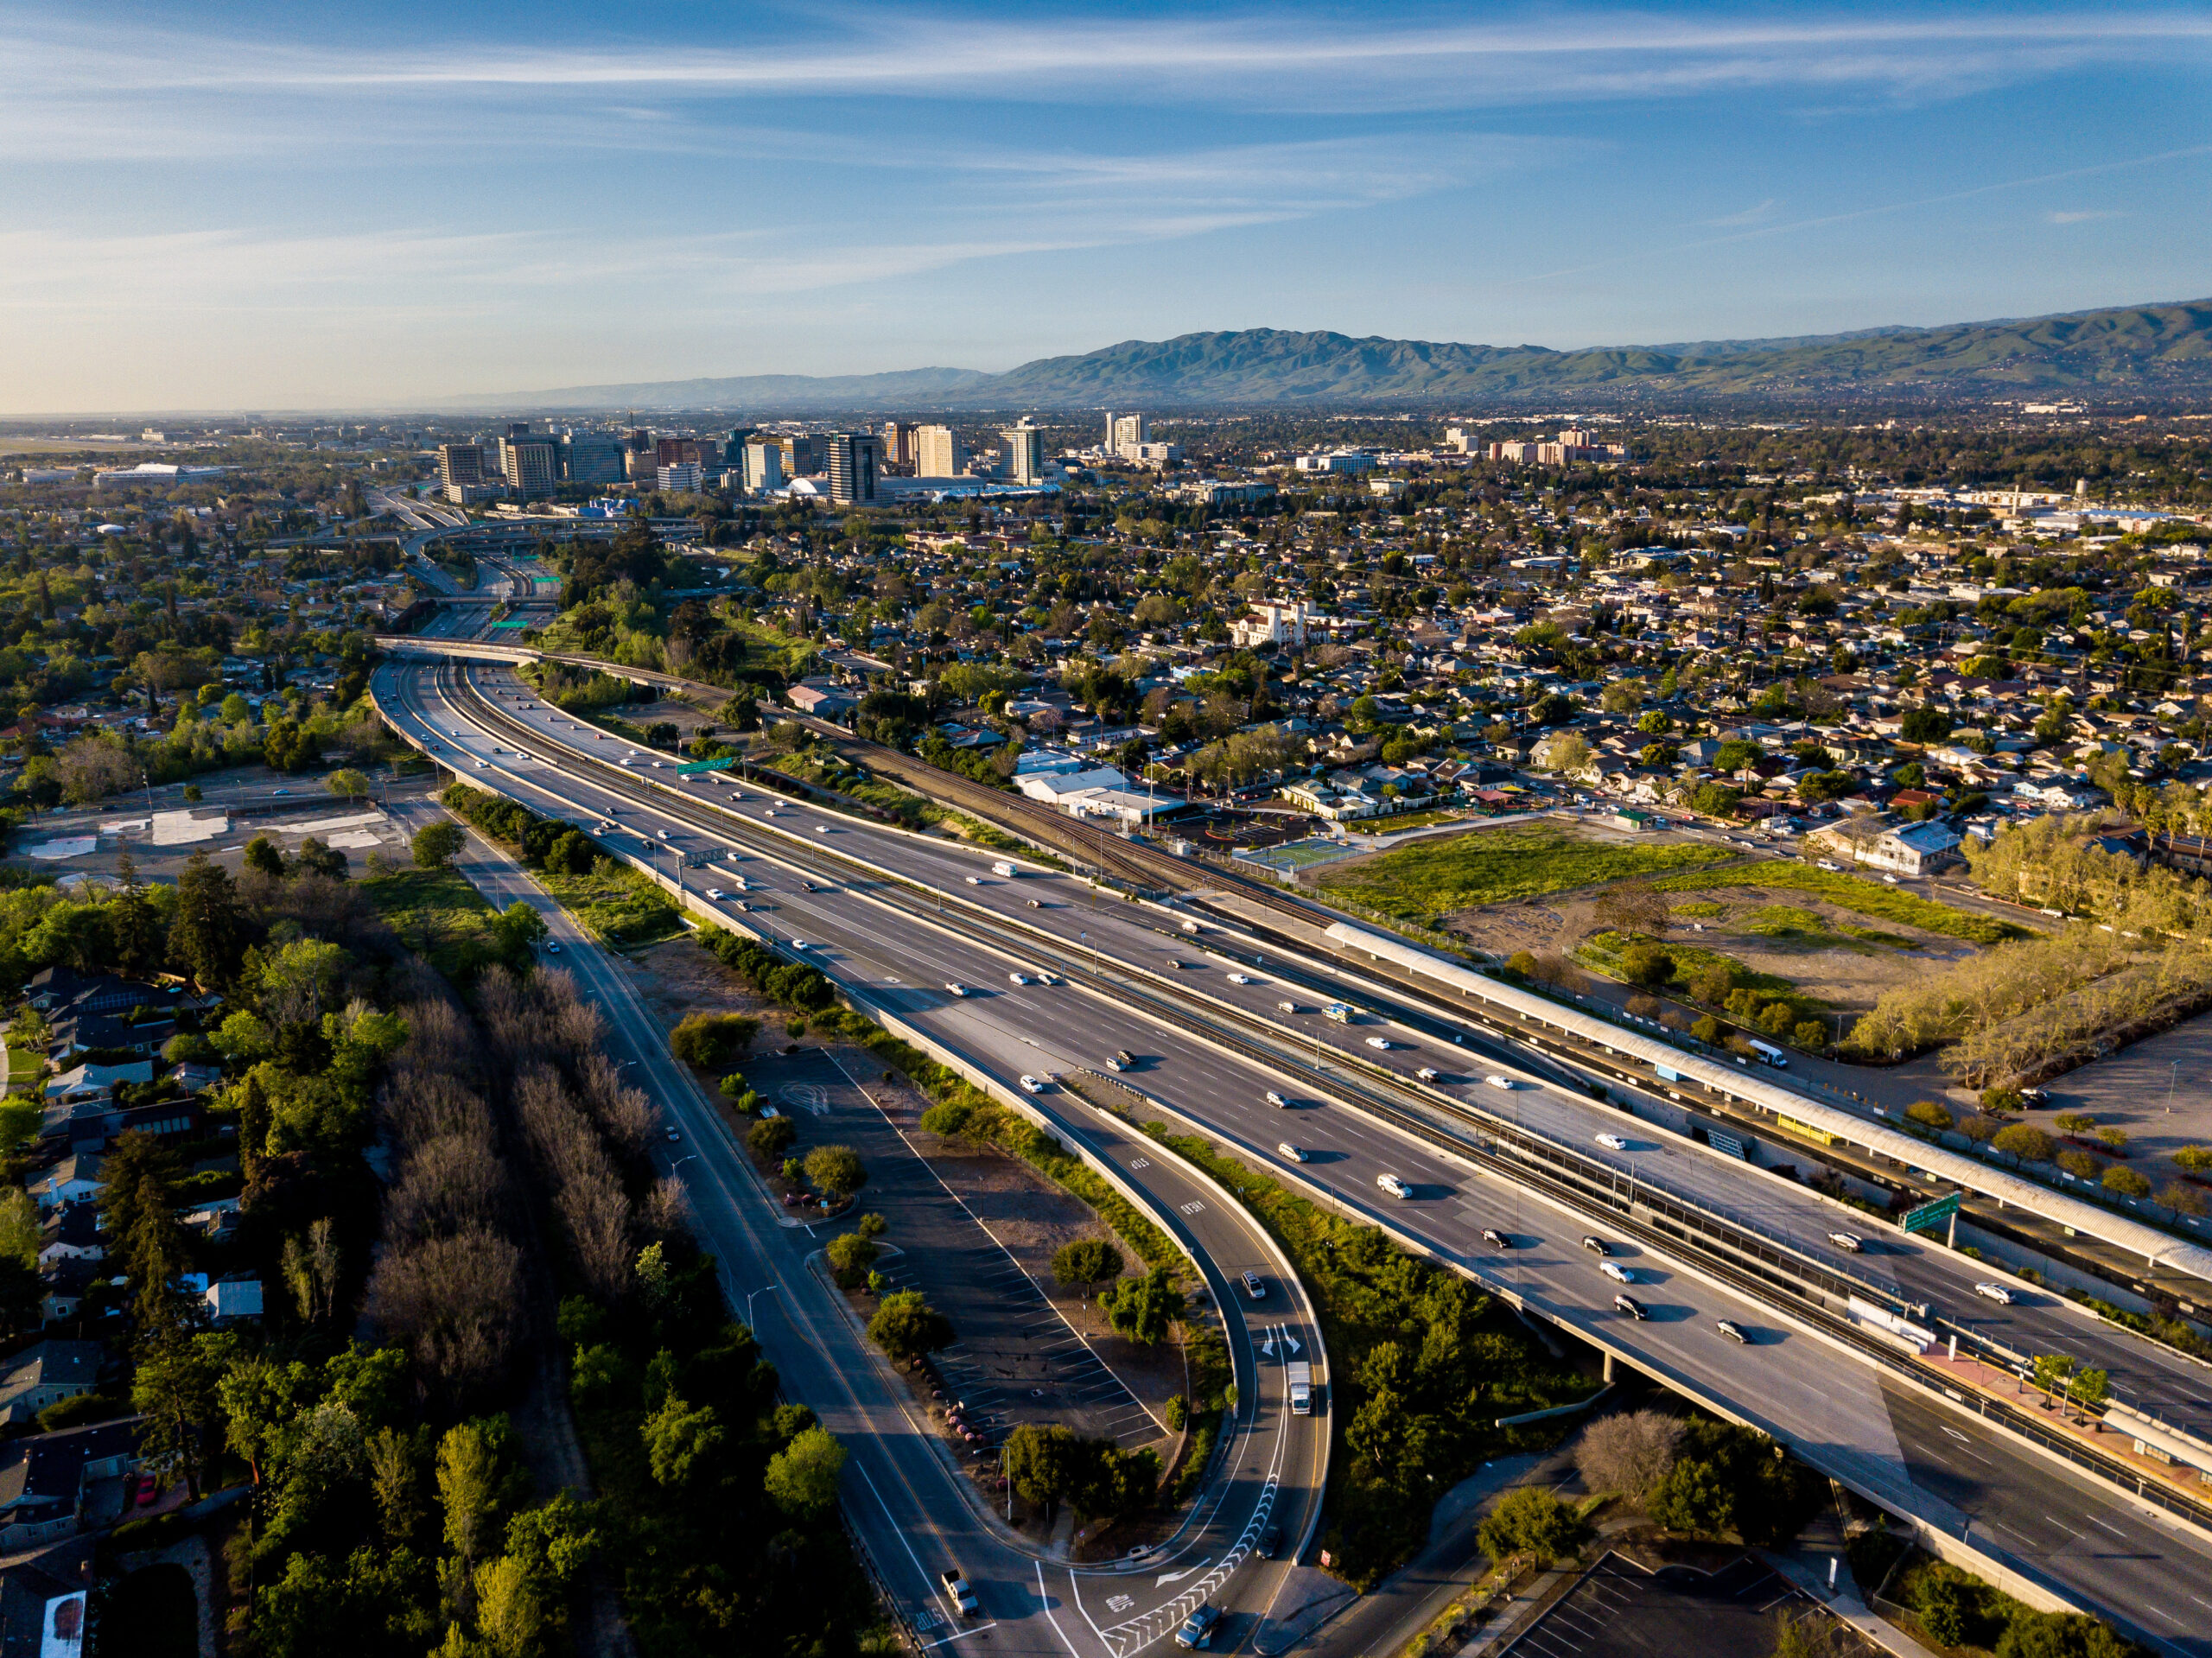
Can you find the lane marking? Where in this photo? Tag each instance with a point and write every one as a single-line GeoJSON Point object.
{"type": "Point", "coordinates": [1045, 1603]}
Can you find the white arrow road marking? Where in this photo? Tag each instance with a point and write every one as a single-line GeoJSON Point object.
{"type": "Point", "coordinates": [1176, 1577]}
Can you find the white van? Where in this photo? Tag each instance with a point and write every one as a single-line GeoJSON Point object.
{"type": "Point", "coordinates": [1395, 1186]}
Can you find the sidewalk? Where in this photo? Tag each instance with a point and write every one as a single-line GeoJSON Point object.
{"type": "Point", "coordinates": [1842, 1601]}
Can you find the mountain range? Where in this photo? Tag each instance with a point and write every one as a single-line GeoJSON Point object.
{"type": "Point", "coordinates": [2136, 351]}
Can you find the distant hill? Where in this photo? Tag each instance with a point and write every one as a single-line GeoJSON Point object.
{"type": "Point", "coordinates": [2140, 350]}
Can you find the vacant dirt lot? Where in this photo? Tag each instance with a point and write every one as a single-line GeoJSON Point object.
{"type": "Point", "coordinates": [1829, 954]}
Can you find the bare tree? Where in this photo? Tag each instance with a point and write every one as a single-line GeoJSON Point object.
{"type": "Point", "coordinates": [1628, 1453]}
{"type": "Point", "coordinates": [455, 1305]}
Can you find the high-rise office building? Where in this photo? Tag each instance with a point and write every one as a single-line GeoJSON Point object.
{"type": "Point", "coordinates": [461, 465]}
{"type": "Point", "coordinates": [1127, 432]}
{"type": "Point", "coordinates": [764, 467]}
{"type": "Point", "coordinates": [679, 478]}
{"type": "Point", "coordinates": [591, 458]}
{"type": "Point", "coordinates": [855, 458]}
{"type": "Point", "coordinates": [1025, 454]}
{"type": "Point", "coordinates": [900, 453]}
{"type": "Point", "coordinates": [938, 452]}
{"type": "Point", "coordinates": [804, 455]}
{"type": "Point", "coordinates": [531, 461]}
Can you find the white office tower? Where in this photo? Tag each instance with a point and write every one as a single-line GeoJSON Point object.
{"type": "Point", "coordinates": [764, 467]}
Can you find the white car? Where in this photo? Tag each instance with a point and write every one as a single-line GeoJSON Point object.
{"type": "Point", "coordinates": [1847, 1242]}
{"type": "Point", "coordinates": [822, 828]}
{"type": "Point", "coordinates": [483, 766]}
{"type": "Point", "coordinates": [1505, 1082]}
{"type": "Point", "coordinates": [1044, 977]}
{"type": "Point", "coordinates": [1427, 1073]}
{"type": "Point", "coordinates": [956, 989]}
{"type": "Point", "coordinates": [1240, 978]}
{"type": "Point", "coordinates": [1618, 1274]}
{"type": "Point", "coordinates": [1395, 1186]}
{"type": "Point", "coordinates": [1996, 1292]}
{"type": "Point", "coordinates": [1378, 1041]}
{"type": "Point", "coordinates": [716, 893]}
{"type": "Point", "coordinates": [1294, 1153]}
{"type": "Point", "coordinates": [798, 944]}
{"type": "Point", "coordinates": [1612, 1142]}
{"type": "Point", "coordinates": [1276, 1099]}
{"type": "Point", "coordinates": [1031, 1085]}
{"type": "Point", "coordinates": [1733, 1330]}
{"type": "Point", "coordinates": [1018, 978]}
{"type": "Point", "coordinates": [664, 833]}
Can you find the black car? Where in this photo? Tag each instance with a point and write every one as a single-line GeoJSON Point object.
{"type": "Point", "coordinates": [1495, 1239]}
{"type": "Point", "coordinates": [1270, 1544]}
{"type": "Point", "coordinates": [1631, 1306]}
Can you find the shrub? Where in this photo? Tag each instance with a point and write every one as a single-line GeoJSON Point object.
{"type": "Point", "coordinates": [2029, 1145]}
{"type": "Point", "coordinates": [771, 1136]}
{"type": "Point", "coordinates": [851, 1256]}
{"type": "Point", "coordinates": [1087, 1261]}
{"type": "Point", "coordinates": [1929, 1115]}
{"type": "Point", "coordinates": [1177, 1411]}
{"type": "Point", "coordinates": [2127, 1183]}
{"type": "Point", "coordinates": [710, 1040]}
{"type": "Point", "coordinates": [946, 1120]}
{"type": "Point", "coordinates": [2001, 1101]}
{"type": "Point", "coordinates": [874, 1226]}
{"type": "Point", "coordinates": [794, 1170]}
{"type": "Point", "coordinates": [1630, 1453]}
{"type": "Point", "coordinates": [1143, 1308]}
{"type": "Point", "coordinates": [1642, 962]}
{"type": "Point", "coordinates": [2197, 1160]}
{"type": "Point", "coordinates": [1810, 1034]}
{"type": "Point", "coordinates": [2076, 1122]}
{"type": "Point", "coordinates": [731, 1086]}
{"type": "Point", "coordinates": [1530, 1521]}
{"type": "Point", "coordinates": [2114, 1140]}
{"type": "Point", "coordinates": [2080, 1165]}
{"type": "Point", "coordinates": [1707, 1030]}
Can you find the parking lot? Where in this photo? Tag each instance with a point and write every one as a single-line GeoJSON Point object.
{"type": "Point", "coordinates": [1621, 1610]}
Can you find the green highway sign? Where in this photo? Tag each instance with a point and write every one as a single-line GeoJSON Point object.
{"type": "Point", "coordinates": [1929, 1216]}
{"type": "Point", "coordinates": [692, 768]}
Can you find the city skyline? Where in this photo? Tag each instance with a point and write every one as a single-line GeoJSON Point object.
{"type": "Point", "coordinates": [270, 213]}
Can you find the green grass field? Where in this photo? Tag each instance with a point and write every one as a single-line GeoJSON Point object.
{"type": "Point", "coordinates": [617, 905]}
{"type": "Point", "coordinates": [1854, 892]}
{"type": "Point", "coordinates": [438, 913]}
{"type": "Point", "coordinates": [1423, 883]}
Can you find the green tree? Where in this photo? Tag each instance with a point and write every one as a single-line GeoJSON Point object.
{"type": "Point", "coordinates": [2029, 1143]}
{"type": "Point", "coordinates": [437, 845]}
{"type": "Point", "coordinates": [2127, 1182]}
{"type": "Point", "coordinates": [851, 1256]}
{"type": "Point", "coordinates": [2058, 1635]}
{"type": "Point", "coordinates": [264, 857]}
{"type": "Point", "coordinates": [771, 1136]}
{"type": "Point", "coordinates": [836, 1171]}
{"type": "Point", "coordinates": [1530, 1521]}
{"type": "Point", "coordinates": [174, 1387]}
{"type": "Point", "coordinates": [1040, 1462]}
{"type": "Point", "coordinates": [905, 1326]}
{"type": "Point", "coordinates": [1646, 963]}
{"type": "Point", "coordinates": [474, 1485]}
{"type": "Point", "coordinates": [1086, 1260]}
{"type": "Point", "coordinates": [681, 1441]}
{"type": "Point", "coordinates": [1142, 1309]}
{"type": "Point", "coordinates": [138, 1211]}
{"type": "Point", "coordinates": [521, 928]}
{"type": "Point", "coordinates": [208, 934]}
{"type": "Point", "coordinates": [802, 1477]}
{"type": "Point", "coordinates": [510, 1611]}
{"type": "Point", "coordinates": [1692, 1498]}
{"type": "Point", "coordinates": [1929, 1115]}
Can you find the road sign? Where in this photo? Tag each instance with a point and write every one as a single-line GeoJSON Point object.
{"type": "Point", "coordinates": [692, 768]}
{"type": "Point", "coordinates": [1929, 1216]}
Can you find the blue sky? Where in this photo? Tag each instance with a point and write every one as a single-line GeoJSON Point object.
{"type": "Point", "coordinates": [283, 205]}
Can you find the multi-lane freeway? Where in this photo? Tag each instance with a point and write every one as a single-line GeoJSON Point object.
{"type": "Point", "coordinates": [1137, 981]}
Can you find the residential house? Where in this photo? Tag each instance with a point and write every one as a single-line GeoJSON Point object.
{"type": "Point", "coordinates": [91, 1085]}
{"type": "Point", "coordinates": [48, 1482]}
{"type": "Point", "coordinates": [45, 1374]}
{"type": "Point", "coordinates": [74, 1179]}
{"type": "Point", "coordinates": [71, 1233]}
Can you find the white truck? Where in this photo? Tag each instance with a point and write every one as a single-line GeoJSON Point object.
{"type": "Point", "coordinates": [1299, 1375]}
{"type": "Point", "coordinates": [1003, 868]}
{"type": "Point", "coordinates": [1768, 1054]}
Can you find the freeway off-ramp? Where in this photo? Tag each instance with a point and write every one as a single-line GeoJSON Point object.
{"type": "Point", "coordinates": [1836, 1410]}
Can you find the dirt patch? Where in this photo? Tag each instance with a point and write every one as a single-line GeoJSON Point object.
{"type": "Point", "coordinates": [1828, 953]}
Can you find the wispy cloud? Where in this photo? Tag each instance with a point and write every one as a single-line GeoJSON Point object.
{"type": "Point", "coordinates": [1757, 215]}
{"type": "Point", "coordinates": [2083, 216]}
{"type": "Point", "coordinates": [1255, 59]}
